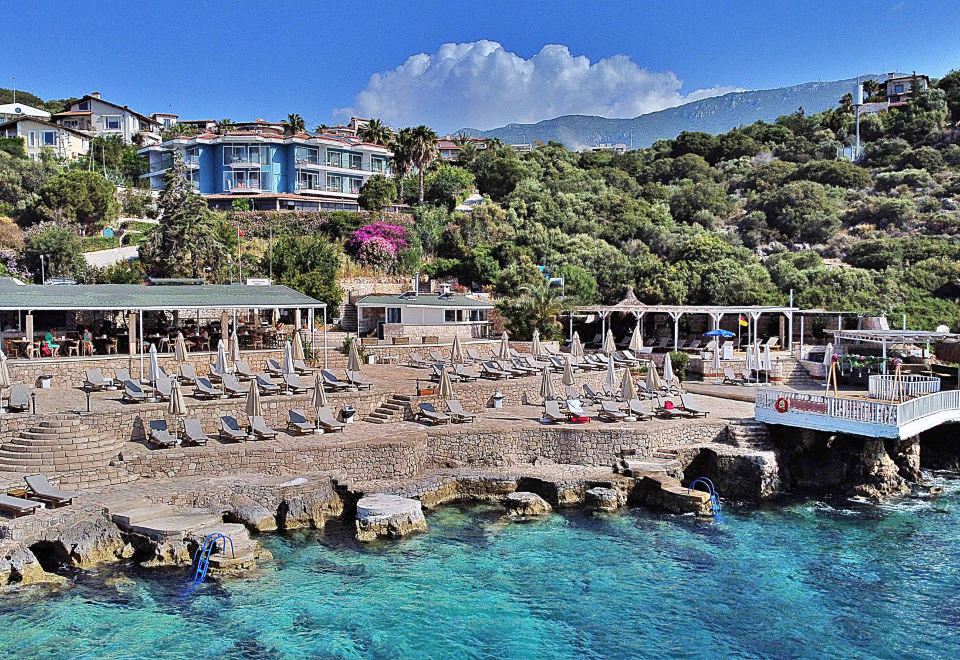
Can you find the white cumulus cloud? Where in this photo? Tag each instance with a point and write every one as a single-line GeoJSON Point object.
{"type": "Point", "coordinates": [482, 85]}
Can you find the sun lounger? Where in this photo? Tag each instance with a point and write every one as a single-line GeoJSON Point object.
{"type": "Point", "coordinates": [358, 381]}
{"type": "Point", "coordinates": [193, 432]}
{"type": "Point", "coordinates": [473, 355]}
{"type": "Point", "coordinates": [188, 374]}
{"type": "Point", "coordinates": [457, 413]}
{"type": "Point", "coordinates": [575, 408]}
{"type": "Point", "coordinates": [214, 374]}
{"type": "Point", "coordinates": [164, 388]}
{"type": "Point", "coordinates": [428, 412]}
{"type": "Point", "coordinates": [265, 385]}
{"type": "Point", "coordinates": [436, 357]}
{"type": "Point", "coordinates": [416, 360]}
{"type": "Point", "coordinates": [297, 422]}
{"type": "Point", "coordinates": [730, 377]}
{"type": "Point", "coordinates": [133, 392]}
{"type": "Point", "coordinates": [593, 395]}
{"type": "Point", "coordinates": [294, 384]}
{"type": "Point", "coordinates": [120, 375]}
{"type": "Point", "coordinates": [668, 409]}
{"type": "Point", "coordinates": [693, 411]}
{"type": "Point", "coordinates": [230, 429]}
{"type": "Point", "coordinates": [693, 346]}
{"type": "Point", "coordinates": [260, 428]}
{"type": "Point", "coordinates": [332, 381]}
{"type": "Point", "coordinates": [611, 412]}
{"type": "Point", "coordinates": [490, 370]}
{"type": "Point", "coordinates": [552, 412]}
{"type": "Point", "coordinates": [243, 371]}
{"type": "Point", "coordinates": [635, 409]}
{"type": "Point", "coordinates": [773, 343]}
{"type": "Point", "coordinates": [523, 367]}
{"type": "Point", "coordinates": [273, 367]}
{"type": "Point", "coordinates": [204, 389]}
{"type": "Point", "coordinates": [436, 373]}
{"type": "Point", "coordinates": [507, 366]}
{"type": "Point", "coordinates": [301, 368]}
{"type": "Point", "coordinates": [570, 391]}
{"type": "Point", "coordinates": [464, 374]}
{"type": "Point", "coordinates": [159, 435]}
{"type": "Point", "coordinates": [643, 392]}
{"type": "Point", "coordinates": [41, 489]}
{"type": "Point", "coordinates": [17, 506]}
{"type": "Point", "coordinates": [327, 421]}
{"type": "Point", "coordinates": [232, 386]}
{"type": "Point", "coordinates": [94, 380]}
{"type": "Point", "coordinates": [19, 397]}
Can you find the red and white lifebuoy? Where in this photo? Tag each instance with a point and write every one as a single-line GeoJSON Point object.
{"type": "Point", "coordinates": [781, 405]}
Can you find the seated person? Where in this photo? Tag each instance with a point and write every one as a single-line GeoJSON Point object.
{"type": "Point", "coordinates": [87, 342]}
{"type": "Point", "coordinates": [51, 343]}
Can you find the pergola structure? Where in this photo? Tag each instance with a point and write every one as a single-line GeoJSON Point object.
{"type": "Point", "coordinates": [888, 338]}
{"type": "Point", "coordinates": [132, 300]}
{"type": "Point", "coordinates": [631, 305]}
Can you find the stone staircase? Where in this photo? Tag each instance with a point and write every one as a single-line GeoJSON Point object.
{"type": "Point", "coordinates": [747, 433]}
{"type": "Point", "coordinates": [58, 445]}
{"type": "Point", "coordinates": [348, 320]}
{"type": "Point", "coordinates": [395, 409]}
{"type": "Point", "coordinates": [795, 375]}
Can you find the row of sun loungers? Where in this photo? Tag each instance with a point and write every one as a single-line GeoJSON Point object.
{"type": "Point", "coordinates": [612, 411]}
{"type": "Point", "coordinates": [159, 434]}
{"type": "Point", "coordinates": [40, 494]}
{"type": "Point", "coordinates": [455, 413]}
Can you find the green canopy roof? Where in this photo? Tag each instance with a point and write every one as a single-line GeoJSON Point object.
{"type": "Point", "coordinates": [14, 296]}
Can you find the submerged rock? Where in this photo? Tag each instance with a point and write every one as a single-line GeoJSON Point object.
{"type": "Point", "coordinates": [256, 517]}
{"type": "Point", "coordinates": [523, 503]}
{"type": "Point", "coordinates": [383, 516]}
{"type": "Point", "coordinates": [605, 499]}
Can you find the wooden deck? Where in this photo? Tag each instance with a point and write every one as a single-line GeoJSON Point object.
{"type": "Point", "coordinates": [857, 415]}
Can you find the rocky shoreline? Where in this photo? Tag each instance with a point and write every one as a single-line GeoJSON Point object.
{"type": "Point", "coordinates": [164, 526]}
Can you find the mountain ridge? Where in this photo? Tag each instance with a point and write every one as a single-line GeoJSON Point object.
{"type": "Point", "coordinates": [716, 114]}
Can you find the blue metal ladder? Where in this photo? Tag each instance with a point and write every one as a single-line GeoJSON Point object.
{"type": "Point", "coordinates": [714, 495]}
{"type": "Point", "coordinates": [201, 560]}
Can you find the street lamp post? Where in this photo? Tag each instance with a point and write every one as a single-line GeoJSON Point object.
{"type": "Point", "coordinates": [43, 271]}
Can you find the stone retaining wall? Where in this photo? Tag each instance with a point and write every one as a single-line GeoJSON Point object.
{"type": "Point", "coordinates": [70, 371]}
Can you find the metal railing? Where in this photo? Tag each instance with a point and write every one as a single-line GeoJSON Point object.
{"type": "Point", "coordinates": [906, 386]}
{"type": "Point", "coordinates": [861, 410]}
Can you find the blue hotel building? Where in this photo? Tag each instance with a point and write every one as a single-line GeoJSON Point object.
{"type": "Point", "coordinates": [303, 172]}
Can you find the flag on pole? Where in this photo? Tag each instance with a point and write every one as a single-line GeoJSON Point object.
{"type": "Point", "coordinates": [743, 321]}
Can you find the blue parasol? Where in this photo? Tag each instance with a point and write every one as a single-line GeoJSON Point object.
{"type": "Point", "coordinates": [719, 333]}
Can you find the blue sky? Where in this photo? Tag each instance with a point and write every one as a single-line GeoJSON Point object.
{"type": "Point", "coordinates": [240, 60]}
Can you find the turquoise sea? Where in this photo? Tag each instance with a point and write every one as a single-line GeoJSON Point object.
{"type": "Point", "coordinates": [801, 579]}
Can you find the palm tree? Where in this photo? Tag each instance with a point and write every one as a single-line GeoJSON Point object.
{"type": "Point", "coordinates": [293, 124]}
{"type": "Point", "coordinates": [423, 151]}
{"type": "Point", "coordinates": [401, 145]}
{"type": "Point", "coordinates": [223, 126]}
{"type": "Point", "coordinates": [375, 132]}
{"type": "Point", "coordinates": [468, 150]}
{"type": "Point", "coordinates": [543, 305]}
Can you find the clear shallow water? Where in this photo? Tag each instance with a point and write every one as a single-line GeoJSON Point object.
{"type": "Point", "coordinates": [803, 580]}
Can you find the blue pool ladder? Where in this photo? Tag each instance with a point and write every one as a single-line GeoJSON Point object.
{"type": "Point", "coordinates": [202, 559]}
{"type": "Point", "coordinates": [714, 495]}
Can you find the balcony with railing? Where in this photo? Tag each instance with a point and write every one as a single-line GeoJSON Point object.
{"type": "Point", "coordinates": [246, 182]}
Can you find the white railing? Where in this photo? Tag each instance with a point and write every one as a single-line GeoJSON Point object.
{"type": "Point", "coordinates": [931, 404]}
{"type": "Point", "coordinates": [861, 410]}
{"type": "Point", "coordinates": [906, 386]}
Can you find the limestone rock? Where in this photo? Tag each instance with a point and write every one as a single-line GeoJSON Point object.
{"type": "Point", "coordinates": [90, 542]}
{"type": "Point", "coordinates": [310, 510]}
{"type": "Point", "coordinates": [526, 504]}
{"type": "Point", "coordinates": [19, 567]}
{"type": "Point", "coordinates": [604, 499]}
{"type": "Point", "coordinates": [383, 516]}
{"type": "Point", "coordinates": [256, 517]}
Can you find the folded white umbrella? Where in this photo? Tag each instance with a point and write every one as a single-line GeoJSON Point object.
{"type": "Point", "coordinates": [636, 341]}
{"type": "Point", "coordinates": [611, 381]}
{"type": "Point", "coordinates": [319, 399]}
{"type": "Point", "coordinates": [153, 373]}
{"type": "Point", "coordinates": [546, 384]}
{"type": "Point", "coordinates": [220, 364]}
{"type": "Point", "coordinates": [297, 346]}
{"type": "Point", "coordinates": [4, 371]}
{"type": "Point", "coordinates": [535, 343]}
{"type": "Point", "coordinates": [180, 348]}
{"type": "Point", "coordinates": [235, 347]}
{"type": "Point", "coordinates": [567, 371]}
{"type": "Point", "coordinates": [667, 371]}
{"type": "Point", "coordinates": [456, 351]}
{"type": "Point", "coordinates": [609, 345]}
{"type": "Point", "coordinates": [769, 360]}
{"type": "Point", "coordinates": [178, 405]}
{"type": "Point", "coordinates": [253, 408]}
{"type": "Point", "coordinates": [716, 359]}
{"type": "Point", "coordinates": [627, 389]}
{"type": "Point", "coordinates": [576, 347]}
{"type": "Point", "coordinates": [653, 377]}
{"type": "Point", "coordinates": [446, 387]}
{"type": "Point", "coordinates": [504, 346]}
{"type": "Point", "coordinates": [828, 356]}
{"type": "Point", "coordinates": [353, 356]}
{"type": "Point", "coordinates": [287, 368]}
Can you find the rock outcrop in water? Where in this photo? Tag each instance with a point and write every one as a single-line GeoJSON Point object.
{"type": "Point", "coordinates": [19, 567]}
{"type": "Point", "coordinates": [526, 504]}
{"type": "Point", "coordinates": [91, 542]}
{"type": "Point", "coordinates": [382, 516]}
